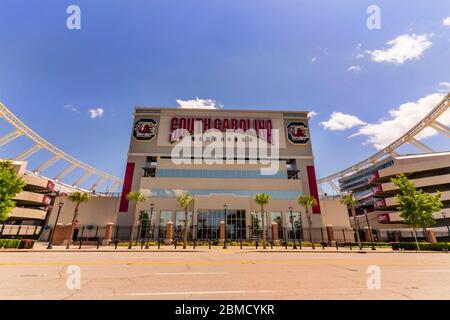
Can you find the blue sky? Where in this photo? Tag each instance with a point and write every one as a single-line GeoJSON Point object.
{"type": "Point", "coordinates": [264, 54]}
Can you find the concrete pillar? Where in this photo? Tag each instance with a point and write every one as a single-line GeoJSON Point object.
{"type": "Point", "coordinates": [62, 234]}
{"type": "Point", "coordinates": [275, 231]}
{"type": "Point", "coordinates": [431, 236]}
{"type": "Point", "coordinates": [330, 234]}
{"type": "Point", "coordinates": [368, 234]}
{"type": "Point", "coordinates": [108, 234]}
{"type": "Point", "coordinates": [169, 233]}
{"type": "Point", "coordinates": [222, 231]}
{"type": "Point", "coordinates": [275, 238]}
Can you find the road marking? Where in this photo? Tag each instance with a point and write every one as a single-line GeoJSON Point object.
{"type": "Point", "coordinates": [305, 262]}
{"type": "Point", "coordinates": [195, 292]}
{"type": "Point", "coordinates": [435, 271]}
{"type": "Point", "coordinates": [187, 273]}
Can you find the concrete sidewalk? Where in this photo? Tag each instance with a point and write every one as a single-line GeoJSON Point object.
{"type": "Point", "coordinates": [42, 247]}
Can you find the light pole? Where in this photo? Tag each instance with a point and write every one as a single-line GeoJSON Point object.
{"type": "Point", "coordinates": [370, 229]}
{"type": "Point", "coordinates": [357, 230]}
{"type": "Point", "coordinates": [446, 223]}
{"type": "Point", "coordinates": [152, 205]}
{"type": "Point", "coordinates": [225, 226]}
{"type": "Point", "coordinates": [61, 204]}
{"type": "Point", "coordinates": [293, 230]}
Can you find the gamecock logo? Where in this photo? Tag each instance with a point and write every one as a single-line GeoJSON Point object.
{"type": "Point", "coordinates": [145, 129]}
{"type": "Point", "coordinates": [298, 132]}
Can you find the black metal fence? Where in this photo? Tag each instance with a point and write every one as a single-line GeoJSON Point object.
{"type": "Point", "coordinates": [275, 235]}
{"type": "Point", "coordinates": [138, 234]}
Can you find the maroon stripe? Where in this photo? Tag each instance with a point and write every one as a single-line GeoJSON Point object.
{"type": "Point", "coordinates": [313, 187]}
{"type": "Point", "coordinates": [126, 187]}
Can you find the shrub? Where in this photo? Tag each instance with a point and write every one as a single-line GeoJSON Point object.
{"type": "Point", "coordinates": [9, 243]}
{"type": "Point", "coordinates": [427, 246]}
{"type": "Point", "coordinates": [369, 244]}
{"type": "Point", "coordinates": [26, 244]}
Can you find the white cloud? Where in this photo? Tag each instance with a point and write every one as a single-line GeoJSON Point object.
{"type": "Point", "coordinates": [359, 54]}
{"type": "Point", "coordinates": [341, 121]}
{"type": "Point", "coordinates": [446, 22]}
{"type": "Point", "coordinates": [403, 48]}
{"type": "Point", "coordinates": [444, 85]}
{"type": "Point", "coordinates": [313, 59]}
{"type": "Point", "coordinates": [355, 69]}
{"type": "Point", "coordinates": [402, 119]}
{"type": "Point", "coordinates": [96, 113]}
{"type": "Point", "coordinates": [198, 103]}
{"type": "Point", "coordinates": [312, 114]}
{"type": "Point", "coordinates": [71, 108]}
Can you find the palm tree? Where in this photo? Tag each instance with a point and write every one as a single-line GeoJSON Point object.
{"type": "Point", "coordinates": [350, 201]}
{"type": "Point", "coordinates": [185, 199]}
{"type": "Point", "coordinates": [308, 201]}
{"type": "Point", "coordinates": [77, 197]}
{"type": "Point", "coordinates": [262, 199]}
{"type": "Point", "coordinates": [136, 197]}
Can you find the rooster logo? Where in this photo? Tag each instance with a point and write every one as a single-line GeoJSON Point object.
{"type": "Point", "coordinates": [145, 129]}
{"type": "Point", "coordinates": [298, 132]}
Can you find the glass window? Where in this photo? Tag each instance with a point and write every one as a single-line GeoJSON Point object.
{"type": "Point", "coordinates": [208, 224]}
{"type": "Point", "coordinates": [179, 220]}
{"type": "Point", "coordinates": [166, 216]}
{"type": "Point", "coordinates": [275, 217]}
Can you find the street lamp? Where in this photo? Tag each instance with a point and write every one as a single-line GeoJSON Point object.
{"type": "Point", "coordinates": [293, 230]}
{"type": "Point", "coordinates": [370, 229]}
{"type": "Point", "coordinates": [61, 204]}
{"type": "Point", "coordinates": [357, 230]}
{"type": "Point", "coordinates": [225, 226]}
{"type": "Point", "coordinates": [152, 205]}
{"type": "Point", "coordinates": [446, 223]}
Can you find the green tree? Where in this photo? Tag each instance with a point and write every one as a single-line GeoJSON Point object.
{"type": "Point", "coordinates": [416, 207]}
{"type": "Point", "coordinates": [262, 199]}
{"type": "Point", "coordinates": [307, 201]}
{"type": "Point", "coordinates": [145, 223]}
{"type": "Point", "coordinates": [10, 185]}
{"type": "Point", "coordinates": [185, 200]}
{"type": "Point", "coordinates": [350, 201]}
{"type": "Point", "coordinates": [136, 197]}
{"type": "Point", "coordinates": [78, 198]}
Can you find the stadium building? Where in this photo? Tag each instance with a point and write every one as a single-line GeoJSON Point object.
{"type": "Point", "coordinates": [223, 158]}
{"type": "Point", "coordinates": [33, 204]}
{"type": "Point", "coordinates": [376, 193]}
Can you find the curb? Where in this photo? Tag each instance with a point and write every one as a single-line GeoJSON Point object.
{"type": "Point", "coordinates": [237, 251]}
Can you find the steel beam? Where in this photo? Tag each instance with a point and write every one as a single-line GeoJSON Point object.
{"type": "Point", "coordinates": [393, 153]}
{"type": "Point", "coordinates": [65, 172]}
{"type": "Point", "coordinates": [23, 129]}
{"type": "Point", "coordinates": [46, 164]}
{"type": "Point", "coordinates": [334, 186]}
{"type": "Point", "coordinates": [425, 122]}
{"type": "Point", "coordinates": [113, 186]}
{"type": "Point", "coordinates": [98, 183]}
{"type": "Point", "coordinates": [420, 145]}
{"type": "Point", "coordinates": [24, 155]}
{"type": "Point", "coordinates": [82, 178]}
{"type": "Point", "coordinates": [7, 138]}
{"type": "Point", "coordinates": [441, 128]}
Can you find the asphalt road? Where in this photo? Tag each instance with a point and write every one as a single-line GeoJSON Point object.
{"type": "Point", "coordinates": [222, 274]}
